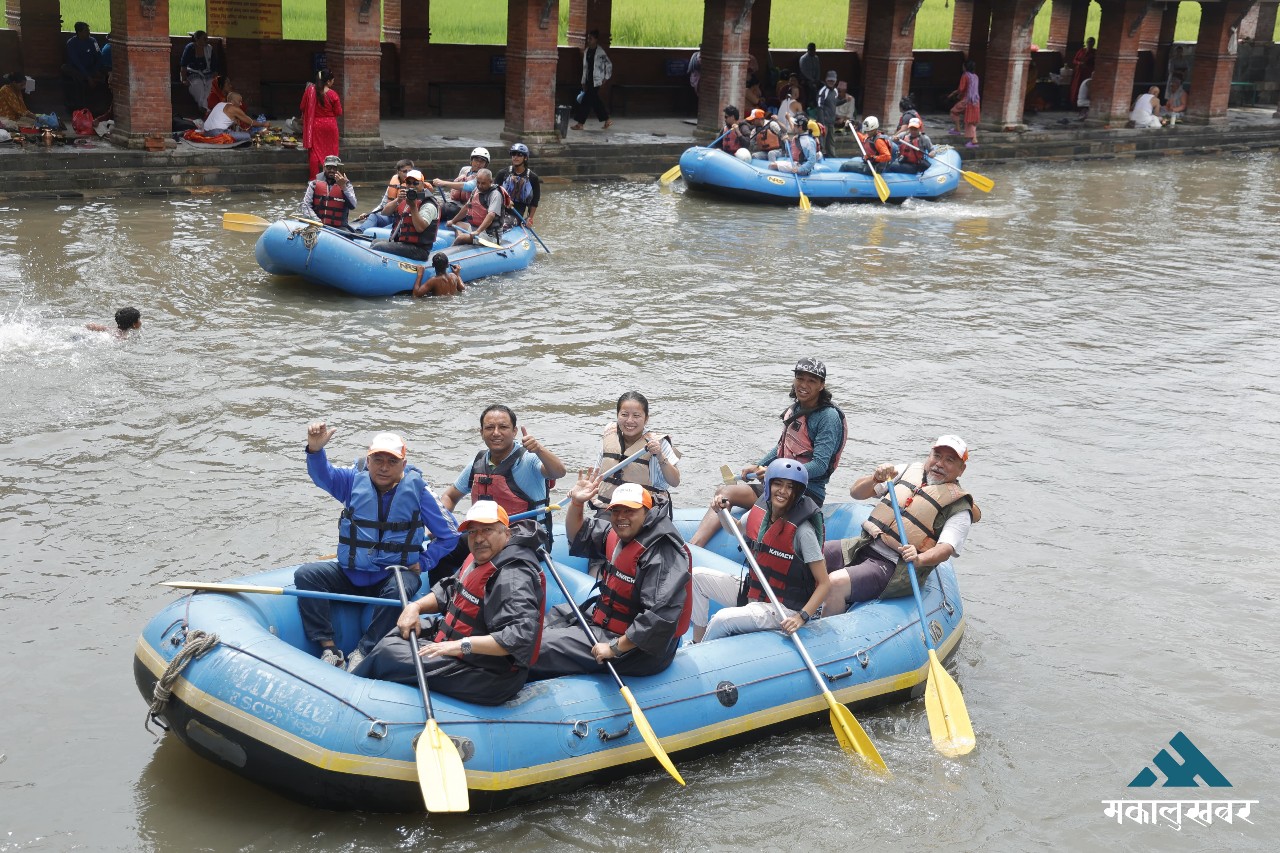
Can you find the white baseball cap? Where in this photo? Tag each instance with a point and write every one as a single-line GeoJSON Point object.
{"type": "Point", "coordinates": [387, 442]}
{"type": "Point", "coordinates": [956, 443]}
{"type": "Point", "coordinates": [632, 495]}
{"type": "Point", "coordinates": [484, 512]}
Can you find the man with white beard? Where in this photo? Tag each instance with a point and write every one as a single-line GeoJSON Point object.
{"type": "Point", "coordinates": [936, 511]}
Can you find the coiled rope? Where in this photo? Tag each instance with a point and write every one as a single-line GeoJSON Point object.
{"type": "Point", "coordinates": [198, 644]}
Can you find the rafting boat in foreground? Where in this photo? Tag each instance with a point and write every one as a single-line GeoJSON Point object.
{"type": "Point", "coordinates": [710, 170]}
{"type": "Point", "coordinates": [323, 255]}
{"type": "Point", "coordinates": [259, 702]}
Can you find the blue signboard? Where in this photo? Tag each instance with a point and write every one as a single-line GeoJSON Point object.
{"type": "Point", "coordinates": [677, 67]}
{"type": "Point", "coordinates": [498, 65]}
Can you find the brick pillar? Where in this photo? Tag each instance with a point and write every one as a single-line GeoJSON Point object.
{"type": "Point", "coordinates": [961, 24]}
{"type": "Point", "coordinates": [13, 15]}
{"type": "Point", "coordinates": [588, 15]}
{"type": "Point", "coordinates": [1249, 25]}
{"type": "Point", "coordinates": [39, 24]}
{"type": "Point", "coordinates": [1215, 62]}
{"type": "Point", "coordinates": [140, 74]}
{"type": "Point", "coordinates": [354, 54]}
{"type": "Point", "coordinates": [1075, 27]}
{"type": "Point", "coordinates": [1149, 32]}
{"type": "Point", "coordinates": [724, 62]}
{"type": "Point", "coordinates": [244, 67]}
{"type": "Point", "coordinates": [1004, 88]}
{"type": "Point", "coordinates": [1267, 22]}
{"type": "Point", "coordinates": [1059, 23]}
{"type": "Point", "coordinates": [1164, 40]}
{"type": "Point", "coordinates": [391, 20]}
{"type": "Point", "coordinates": [855, 34]}
{"type": "Point", "coordinates": [415, 51]}
{"type": "Point", "coordinates": [531, 71]}
{"type": "Point", "coordinates": [979, 35]}
{"type": "Point", "coordinates": [1111, 91]}
{"type": "Point", "coordinates": [887, 64]}
{"type": "Point", "coordinates": [758, 44]}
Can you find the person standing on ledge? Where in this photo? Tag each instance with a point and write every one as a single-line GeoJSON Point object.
{"type": "Point", "coordinates": [321, 108]}
{"type": "Point", "coordinates": [596, 70]}
{"type": "Point", "coordinates": [196, 69]}
{"type": "Point", "coordinates": [968, 107]}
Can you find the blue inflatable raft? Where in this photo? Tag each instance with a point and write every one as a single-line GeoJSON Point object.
{"type": "Point", "coordinates": [260, 703]}
{"type": "Point", "coordinates": [323, 255]}
{"type": "Point", "coordinates": [711, 170]}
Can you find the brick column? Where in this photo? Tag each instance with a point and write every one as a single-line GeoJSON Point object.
{"type": "Point", "coordinates": [244, 67]}
{"type": "Point", "coordinates": [724, 62]}
{"type": "Point", "coordinates": [1075, 28]}
{"type": "Point", "coordinates": [39, 24]}
{"type": "Point", "coordinates": [140, 72]}
{"type": "Point", "coordinates": [1004, 88]}
{"type": "Point", "coordinates": [1149, 32]}
{"type": "Point", "coordinates": [979, 35]}
{"type": "Point", "coordinates": [758, 44]}
{"type": "Point", "coordinates": [588, 15]}
{"type": "Point", "coordinates": [391, 20]}
{"type": "Point", "coordinates": [1168, 25]}
{"type": "Point", "coordinates": [1111, 91]}
{"type": "Point", "coordinates": [887, 64]}
{"type": "Point", "coordinates": [531, 71]}
{"type": "Point", "coordinates": [415, 51]}
{"type": "Point", "coordinates": [354, 54]}
{"type": "Point", "coordinates": [961, 24]}
{"type": "Point", "coordinates": [1059, 24]}
{"type": "Point", "coordinates": [855, 34]}
{"type": "Point", "coordinates": [1215, 62]}
{"type": "Point", "coordinates": [13, 15]}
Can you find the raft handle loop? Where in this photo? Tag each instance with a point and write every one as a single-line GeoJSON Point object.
{"type": "Point", "coordinates": [377, 729]}
{"type": "Point", "coordinates": [581, 729]}
{"type": "Point", "coordinates": [863, 658]}
{"type": "Point", "coordinates": [198, 645]}
{"type": "Point", "coordinates": [845, 673]}
{"type": "Point", "coordinates": [608, 736]}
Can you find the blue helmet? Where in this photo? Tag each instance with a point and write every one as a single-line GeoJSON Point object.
{"type": "Point", "coordinates": [785, 469]}
{"type": "Point", "coordinates": [520, 148]}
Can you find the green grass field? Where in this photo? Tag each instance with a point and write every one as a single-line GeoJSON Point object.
{"type": "Point", "coordinates": [643, 23]}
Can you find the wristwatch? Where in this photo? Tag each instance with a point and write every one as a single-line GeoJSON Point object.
{"type": "Point", "coordinates": [613, 644]}
{"type": "Point", "coordinates": [466, 647]}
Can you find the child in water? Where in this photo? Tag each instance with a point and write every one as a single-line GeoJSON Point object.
{"type": "Point", "coordinates": [127, 319]}
{"type": "Point", "coordinates": [445, 282]}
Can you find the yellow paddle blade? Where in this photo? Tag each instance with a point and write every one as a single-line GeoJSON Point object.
{"type": "Point", "coordinates": [440, 773]}
{"type": "Point", "coordinates": [224, 587]}
{"type": "Point", "coordinates": [882, 189]}
{"type": "Point", "coordinates": [726, 474]}
{"type": "Point", "coordinates": [650, 739]}
{"type": "Point", "coordinates": [982, 182]}
{"type": "Point", "coordinates": [486, 242]}
{"type": "Point", "coordinates": [669, 176]}
{"type": "Point", "coordinates": [804, 201]}
{"type": "Point", "coordinates": [850, 734]}
{"type": "Point", "coordinates": [948, 717]}
{"type": "Point", "coordinates": [245, 219]}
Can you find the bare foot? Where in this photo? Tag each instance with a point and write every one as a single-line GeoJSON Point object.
{"type": "Point", "coordinates": [575, 127]}
{"type": "Point", "coordinates": [608, 124]}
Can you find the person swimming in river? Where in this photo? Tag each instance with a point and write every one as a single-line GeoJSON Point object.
{"type": "Point", "coordinates": [127, 320]}
{"type": "Point", "coordinates": [446, 281]}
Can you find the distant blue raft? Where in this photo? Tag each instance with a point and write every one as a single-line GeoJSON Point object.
{"type": "Point", "coordinates": [325, 256]}
{"type": "Point", "coordinates": [710, 170]}
{"type": "Point", "coordinates": [260, 703]}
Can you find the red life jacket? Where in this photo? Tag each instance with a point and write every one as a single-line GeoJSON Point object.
{"type": "Point", "coordinates": [775, 552]}
{"type": "Point", "coordinates": [329, 204]}
{"type": "Point", "coordinates": [500, 486]}
{"type": "Point", "coordinates": [620, 581]}
{"type": "Point", "coordinates": [797, 150]}
{"type": "Point", "coordinates": [464, 614]}
{"type": "Point", "coordinates": [909, 151]}
{"type": "Point", "coordinates": [404, 231]}
{"type": "Point", "coordinates": [796, 442]}
{"type": "Point", "coordinates": [731, 143]}
{"type": "Point", "coordinates": [460, 195]}
{"type": "Point", "coordinates": [477, 207]}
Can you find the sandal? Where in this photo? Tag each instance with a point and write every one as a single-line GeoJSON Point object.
{"type": "Point", "coordinates": [608, 124]}
{"type": "Point", "coordinates": [575, 127]}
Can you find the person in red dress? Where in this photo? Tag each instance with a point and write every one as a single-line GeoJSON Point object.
{"type": "Point", "coordinates": [320, 109]}
{"type": "Point", "coordinates": [1082, 64]}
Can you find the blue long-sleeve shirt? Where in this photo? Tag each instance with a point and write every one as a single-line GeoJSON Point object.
{"type": "Point", "coordinates": [438, 521]}
{"type": "Point", "coordinates": [827, 433]}
{"type": "Point", "coordinates": [82, 55]}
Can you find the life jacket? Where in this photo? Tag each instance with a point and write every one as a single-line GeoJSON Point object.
{"type": "Point", "coordinates": [477, 207]}
{"type": "Point", "coordinates": [796, 442]}
{"type": "Point", "coordinates": [766, 138]}
{"type": "Point", "coordinates": [775, 552]}
{"type": "Point", "coordinates": [921, 506]}
{"type": "Point", "coordinates": [393, 187]}
{"type": "Point", "coordinates": [620, 581]}
{"type": "Point", "coordinates": [460, 195]}
{"type": "Point", "coordinates": [404, 231]}
{"type": "Point", "coordinates": [798, 154]}
{"type": "Point", "coordinates": [329, 204]}
{"type": "Point", "coordinates": [910, 151]}
{"type": "Point", "coordinates": [731, 142]}
{"type": "Point", "coordinates": [612, 452]}
{"type": "Point", "coordinates": [519, 188]}
{"type": "Point", "coordinates": [464, 613]}
{"type": "Point", "coordinates": [369, 544]}
{"type": "Point", "coordinates": [879, 150]}
{"type": "Point", "coordinates": [499, 485]}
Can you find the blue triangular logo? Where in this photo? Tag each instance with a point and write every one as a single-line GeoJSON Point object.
{"type": "Point", "coordinates": [1181, 774]}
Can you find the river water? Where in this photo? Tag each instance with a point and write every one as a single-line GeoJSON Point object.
{"type": "Point", "coordinates": [1103, 335]}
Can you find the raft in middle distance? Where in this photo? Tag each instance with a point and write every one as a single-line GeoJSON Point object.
{"type": "Point", "coordinates": [323, 256]}
{"type": "Point", "coordinates": [711, 170]}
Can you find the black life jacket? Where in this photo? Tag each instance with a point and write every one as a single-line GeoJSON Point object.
{"type": "Point", "coordinates": [620, 577]}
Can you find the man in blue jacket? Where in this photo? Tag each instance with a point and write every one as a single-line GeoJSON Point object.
{"type": "Point", "coordinates": [386, 504]}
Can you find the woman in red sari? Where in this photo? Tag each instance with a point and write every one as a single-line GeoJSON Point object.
{"type": "Point", "coordinates": [1082, 67]}
{"type": "Point", "coordinates": [320, 110]}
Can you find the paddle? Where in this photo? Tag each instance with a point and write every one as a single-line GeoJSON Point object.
{"type": "Point", "coordinates": [642, 723]}
{"type": "Point", "coordinates": [531, 231]}
{"type": "Point", "coordinates": [440, 771]}
{"type": "Point", "coordinates": [882, 189]}
{"type": "Point", "coordinates": [624, 463]}
{"type": "Point", "coordinates": [669, 176]}
{"type": "Point", "coordinates": [804, 199]}
{"type": "Point", "coordinates": [250, 224]}
{"type": "Point", "coordinates": [944, 705]}
{"type": "Point", "coordinates": [471, 232]}
{"type": "Point", "coordinates": [982, 182]}
{"type": "Point", "coordinates": [850, 735]}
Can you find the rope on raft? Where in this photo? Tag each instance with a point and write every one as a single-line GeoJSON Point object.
{"type": "Point", "coordinates": [198, 644]}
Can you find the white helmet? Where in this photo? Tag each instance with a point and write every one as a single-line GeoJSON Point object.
{"type": "Point", "coordinates": [743, 154]}
{"type": "Point", "coordinates": [870, 123]}
{"type": "Point", "coordinates": [481, 152]}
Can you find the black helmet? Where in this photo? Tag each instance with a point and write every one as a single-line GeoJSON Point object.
{"type": "Point", "coordinates": [812, 366]}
